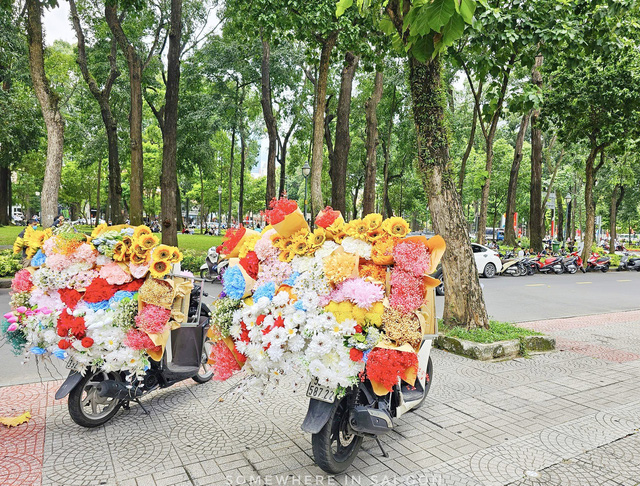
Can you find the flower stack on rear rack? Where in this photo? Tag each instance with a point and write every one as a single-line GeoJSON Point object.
{"type": "Point", "coordinates": [331, 305]}
{"type": "Point", "coordinates": [103, 300]}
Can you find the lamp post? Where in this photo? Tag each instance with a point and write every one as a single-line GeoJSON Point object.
{"type": "Point", "coordinates": [219, 209]}
{"type": "Point", "coordinates": [306, 170]}
{"type": "Point", "coordinates": [567, 199]}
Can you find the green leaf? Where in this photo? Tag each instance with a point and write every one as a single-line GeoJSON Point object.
{"type": "Point", "coordinates": [467, 9]}
{"type": "Point", "coordinates": [438, 12]}
{"type": "Point", "coordinates": [387, 27]}
{"type": "Point", "coordinates": [452, 31]}
{"type": "Point", "coordinates": [342, 6]}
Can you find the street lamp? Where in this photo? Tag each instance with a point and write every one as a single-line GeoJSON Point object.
{"type": "Point", "coordinates": [306, 170]}
{"type": "Point", "coordinates": [219, 208]}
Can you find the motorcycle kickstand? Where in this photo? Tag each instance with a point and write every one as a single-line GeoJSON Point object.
{"type": "Point", "coordinates": [384, 453]}
{"type": "Point", "coordinates": [126, 405]}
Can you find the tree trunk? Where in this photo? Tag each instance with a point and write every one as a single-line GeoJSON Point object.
{"type": "Point", "coordinates": [169, 182]}
{"type": "Point", "coordinates": [559, 218]}
{"type": "Point", "coordinates": [371, 144]}
{"type": "Point", "coordinates": [318, 122]}
{"type": "Point", "coordinates": [616, 199]}
{"type": "Point", "coordinates": [338, 169]}
{"type": "Point", "coordinates": [536, 224]}
{"type": "Point", "coordinates": [269, 119]}
{"type": "Point", "coordinates": [243, 159]}
{"type": "Point", "coordinates": [282, 158]}
{"type": "Point", "coordinates": [134, 64]}
{"type": "Point", "coordinates": [230, 185]}
{"type": "Point", "coordinates": [354, 199]}
{"type": "Point", "coordinates": [110, 123]}
{"type": "Point", "coordinates": [467, 152]}
{"type": "Point", "coordinates": [49, 104]}
{"type": "Point", "coordinates": [386, 148]}
{"type": "Point", "coordinates": [464, 303]}
{"type": "Point", "coordinates": [589, 203]}
{"type": "Point", "coordinates": [5, 196]}
{"type": "Point", "coordinates": [99, 184]}
{"type": "Point", "coordinates": [509, 230]}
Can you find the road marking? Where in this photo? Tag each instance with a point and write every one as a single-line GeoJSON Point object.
{"type": "Point", "coordinates": [582, 283]}
{"type": "Point", "coordinates": [535, 285]}
{"type": "Point", "coordinates": [624, 280]}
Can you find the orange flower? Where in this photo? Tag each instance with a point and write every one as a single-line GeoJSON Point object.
{"type": "Point", "coordinates": [382, 251]}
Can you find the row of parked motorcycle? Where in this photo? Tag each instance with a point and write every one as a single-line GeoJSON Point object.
{"type": "Point", "coordinates": [567, 263]}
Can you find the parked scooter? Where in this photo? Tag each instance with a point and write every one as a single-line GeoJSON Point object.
{"type": "Point", "coordinates": [572, 263]}
{"type": "Point", "coordinates": [98, 395]}
{"type": "Point", "coordinates": [530, 263]}
{"type": "Point", "coordinates": [512, 266]}
{"type": "Point", "coordinates": [628, 262]}
{"type": "Point", "coordinates": [550, 264]}
{"type": "Point", "coordinates": [339, 425]}
{"type": "Point", "coordinates": [213, 268]}
{"type": "Point", "coordinates": [596, 262]}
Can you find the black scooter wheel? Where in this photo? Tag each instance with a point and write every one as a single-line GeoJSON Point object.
{"type": "Point", "coordinates": [86, 407]}
{"type": "Point", "coordinates": [427, 385]}
{"type": "Point", "coordinates": [206, 370]}
{"type": "Point", "coordinates": [336, 446]}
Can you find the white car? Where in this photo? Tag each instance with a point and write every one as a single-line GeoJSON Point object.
{"type": "Point", "coordinates": [487, 260]}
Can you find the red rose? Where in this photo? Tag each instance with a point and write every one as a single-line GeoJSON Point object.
{"type": "Point", "coordinates": [64, 344]}
{"type": "Point", "coordinates": [358, 328]}
{"type": "Point", "coordinates": [62, 330]}
{"type": "Point", "coordinates": [87, 342]}
{"type": "Point", "coordinates": [355, 354]}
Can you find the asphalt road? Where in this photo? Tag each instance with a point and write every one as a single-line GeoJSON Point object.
{"type": "Point", "coordinates": [513, 299]}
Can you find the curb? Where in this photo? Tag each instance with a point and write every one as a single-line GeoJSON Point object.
{"type": "Point", "coordinates": [5, 283]}
{"type": "Point", "coordinates": [498, 351]}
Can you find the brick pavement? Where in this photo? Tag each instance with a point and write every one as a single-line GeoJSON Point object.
{"type": "Point", "coordinates": [565, 418]}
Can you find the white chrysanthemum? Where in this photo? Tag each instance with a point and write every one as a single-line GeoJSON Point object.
{"type": "Point", "coordinates": [276, 337]}
{"type": "Point", "coordinates": [255, 333]}
{"type": "Point", "coordinates": [325, 250]}
{"type": "Point", "coordinates": [319, 345]}
{"type": "Point", "coordinates": [349, 327]}
{"type": "Point", "coordinates": [280, 299]}
{"type": "Point", "coordinates": [241, 346]}
{"type": "Point", "coordinates": [357, 247]}
{"type": "Point", "coordinates": [298, 317]}
{"type": "Point", "coordinates": [235, 330]}
{"type": "Point", "coordinates": [296, 343]}
{"type": "Point", "coordinates": [275, 352]}
{"type": "Point", "coordinates": [269, 321]}
{"type": "Point", "coordinates": [237, 316]}
{"type": "Point", "coordinates": [291, 332]}
{"type": "Point", "coordinates": [261, 304]}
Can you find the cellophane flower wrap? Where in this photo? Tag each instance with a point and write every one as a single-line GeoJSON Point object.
{"type": "Point", "coordinates": [318, 307]}
{"type": "Point", "coordinates": [79, 299]}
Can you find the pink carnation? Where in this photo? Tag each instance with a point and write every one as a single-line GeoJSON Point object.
{"type": "Point", "coordinates": [407, 291]}
{"type": "Point", "coordinates": [48, 246]}
{"type": "Point", "coordinates": [139, 271]}
{"type": "Point", "coordinates": [114, 274]}
{"type": "Point", "coordinates": [264, 248]}
{"type": "Point", "coordinates": [50, 299]}
{"type": "Point", "coordinates": [136, 339]}
{"type": "Point", "coordinates": [85, 253]}
{"type": "Point", "coordinates": [224, 363]}
{"type": "Point", "coordinates": [153, 319]}
{"type": "Point", "coordinates": [58, 262]}
{"type": "Point", "coordinates": [273, 270]}
{"type": "Point", "coordinates": [22, 281]}
{"type": "Point", "coordinates": [412, 257]}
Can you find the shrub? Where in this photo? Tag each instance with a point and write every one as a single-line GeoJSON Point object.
{"type": "Point", "coordinates": [192, 260]}
{"type": "Point", "coordinates": [9, 263]}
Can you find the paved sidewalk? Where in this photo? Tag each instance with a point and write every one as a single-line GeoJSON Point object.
{"type": "Point", "coordinates": [566, 418]}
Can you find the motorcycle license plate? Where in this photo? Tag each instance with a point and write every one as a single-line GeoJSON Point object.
{"type": "Point", "coordinates": [71, 364]}
{"type": "Point", "coordinates": [319, 392]}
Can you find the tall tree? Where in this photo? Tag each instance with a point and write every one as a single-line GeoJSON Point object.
{"type": "Point", "coordinates": [510, 232]}
{"type": "Point", "coordinates": [103, 96]}
{"type": "Point", "coordinates": [136, 66]}
{"type": "Point", "coordinates": [50, 105]}
{"type": "Point", "coordinates": [371, 145]}
{"type": "Point", "coordinates": [536, 222]}
{"type": "Point", "coordinates": [424, 30]}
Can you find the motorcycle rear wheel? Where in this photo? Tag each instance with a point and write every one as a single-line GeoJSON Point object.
{"type": "Point", "coordinates": [206, 370]}
{"type": "Point", "coordinates": [336, 445]}
{"type": "Point", "coordinates": [427, 385]}
{"type": "Point", "coordinates": [86, 407]}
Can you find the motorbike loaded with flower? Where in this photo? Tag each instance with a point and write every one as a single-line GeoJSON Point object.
{"type": "Point", "coordinates": [108, 304]}
{"type": "Point", "coordinates": [346, 307]}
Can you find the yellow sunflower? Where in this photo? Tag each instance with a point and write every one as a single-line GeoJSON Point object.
{"type": "Point", "coordinates": [396, 226]}
{"type": "Point", "coordinates": [373, 220]}
{"type": "Point", "coordinates": [336, 227]}
{"type": "Point", "coordinates": [357, 229]}
{"type": "Point", "coordinates": [98, 230]}
{"type": "Point", "coordinates": [140, 231]}
{"type": "Point", "coordinates": [375, 235]}
{"type": "Point", "coordinates": [127, 241]}
{"type": "Point", "coordinates": [162, 252]}
{"type": "Point", "coordinates": [300, 246]}
{"type": "Point", "coordinates": [287, 244]}
{"type": "Point", "coordinates": [317, 238]}
{"type": "Point", "coordinates": [176, 256]}
{"type": "Point", "coordinates": [120, 252]}
{"type": "Point", "coordinates": [138, 249]}
{"type": "Point", "coordinates": [277, 241]}
{"type": "Point", "coordinates": [339, 237]}
{"type": "Point", "coordinates": [301, 233]}
{"type": "Point", "coordinates": [160, 268]}
{"type": "Point", "coordinates": [148, 241]}
{"type": "Point", "coordinates": [286, 256]}
{"type": "Point", "coordinates": [139, 259]}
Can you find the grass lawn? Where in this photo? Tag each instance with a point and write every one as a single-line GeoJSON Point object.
{"type": "Point", "coordinates": [498, 331]}
{"type": "Point", "coordinates": [197, 242]}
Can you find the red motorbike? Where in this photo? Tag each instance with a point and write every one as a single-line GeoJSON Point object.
{"type": "Point", "coordinates": [573, 262]}
{"type": "Point", "coordinates": [597, 262]}
{"type": "Point", "coordinates": [550, 264]}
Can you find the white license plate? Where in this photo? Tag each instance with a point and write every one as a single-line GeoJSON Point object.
{"type": "Point", "coordinates": [71, 364]}
{"type": "Point", "coordinates": [319, 392]}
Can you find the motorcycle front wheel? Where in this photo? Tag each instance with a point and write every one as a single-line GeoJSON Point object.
{"type": "Point", "coordinates": [336, 446]}
{"type": "Point", "coordinates": [86, 407]}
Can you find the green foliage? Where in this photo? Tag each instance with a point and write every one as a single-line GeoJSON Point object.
{"type": "Point", "coordinates": [498, 331]}
{"type": "Point", "coordinates": [9, 263]}
{"type": "Point", "coordinates": [192, 260]}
